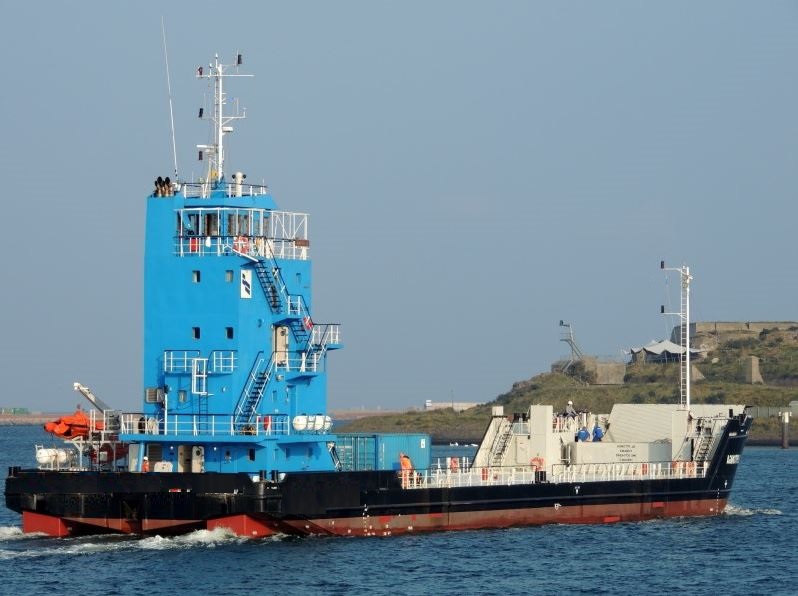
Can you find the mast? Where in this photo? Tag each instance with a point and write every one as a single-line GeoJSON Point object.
{"type": "Point", "coordinates": [218, 71]}
{"type": "Point", "coordinates": [684, 332]}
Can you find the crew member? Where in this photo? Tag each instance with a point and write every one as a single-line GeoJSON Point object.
{"type": "Point", "coordinates": [145, 464]}
{"type": "Point", "coordinates": [454, 464]}
{"type": "Point", "coordinates": [598, 434]}
{"type": "Point", "coordinates": [569, 409]}
{"type": "Point", "coordinates": [407, 468]}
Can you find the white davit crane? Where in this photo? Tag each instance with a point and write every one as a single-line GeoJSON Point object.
{"type": "Point", "coordinates": [95, 401]}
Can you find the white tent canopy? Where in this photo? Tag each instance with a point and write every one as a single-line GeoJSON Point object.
{"type": "Point", "coordinates": [664, 349]}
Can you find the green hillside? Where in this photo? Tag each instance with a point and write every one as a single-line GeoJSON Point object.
{"type": "Point", "coordinates": [723, 367]}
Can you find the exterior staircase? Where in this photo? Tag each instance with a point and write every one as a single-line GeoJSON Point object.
{"type": "Point", "coordinates": [501, 443]}
{"type": "Point", "coordinates": [248, 403]}
{"type": "Point", "coordinates": [702, 450]}
{"type": "Point", "coordinates": [268, 275]}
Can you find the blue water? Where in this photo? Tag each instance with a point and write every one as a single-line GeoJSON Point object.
{"type": "Point", "coordinates": [749, 550]}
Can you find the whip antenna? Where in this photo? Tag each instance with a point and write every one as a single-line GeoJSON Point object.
{"type": "Point", "coordinates": [169, 91]}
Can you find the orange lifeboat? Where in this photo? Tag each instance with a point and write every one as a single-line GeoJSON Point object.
{"type": "Point", "coordinates": [71, 427]}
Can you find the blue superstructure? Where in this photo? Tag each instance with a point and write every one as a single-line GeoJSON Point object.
{"type": "Point", "coordinates": [234, 364]}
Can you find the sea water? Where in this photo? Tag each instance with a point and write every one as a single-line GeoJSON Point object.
{"type": "Point", "coordinates": [751, 549]}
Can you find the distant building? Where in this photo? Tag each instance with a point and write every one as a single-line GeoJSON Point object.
{"type": "Point", "coordinates": [457, 406]}
{"type": "Point", "coordinates": [604, 373]}
{"type": "Point", "coordinates": [14, 411]}
{"type": "Point", "coordinates": [719, 327]}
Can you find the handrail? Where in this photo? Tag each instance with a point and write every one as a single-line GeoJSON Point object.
{"type": "Point", "coordinates": [214, 425]}
{"type": "Point", "coordinates": [203, 190]}
{"type": "Point", "coordinates": [560, 474]}
{"type": "Point", "coordinates": [251, 380]}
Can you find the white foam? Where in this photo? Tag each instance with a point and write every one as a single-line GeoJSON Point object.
{"type": "Point", "coordinates": [208, 538]}
{"type": "Point", "coordinates": [745, 512]}
{"type": "Point", "coordinates": [10, 532]}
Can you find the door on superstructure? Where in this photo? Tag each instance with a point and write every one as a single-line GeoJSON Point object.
{"type": "Point", "coordinates": [280, 346]}
{"type": "Point", "coordinates": [184, 458]}
{"type": "Point", "coordinates": [197, 459]}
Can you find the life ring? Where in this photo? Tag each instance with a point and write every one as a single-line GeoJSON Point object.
{"type": "Point", "coordinates": [308, 323]}
{"type": "Point", "coordinates": [267, 423]}
{"type": "Point", "coordinates": [644, 469]}
{"type": "Point", "coordinates": [484, 474]}
{"type": "Point", "coordinates": [537, 463]}
{"type": "Point", "coordinates": [240, 244]}
{"type": "Point", "coordinates": [193, 244]}
{"type": "Point", "coordinates": [690, 468]}
{"type": "Point", "coordinates": [152, 426]}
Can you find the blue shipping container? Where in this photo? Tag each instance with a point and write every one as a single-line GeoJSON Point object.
{"type": "Point", "coordinates": [367, 451]}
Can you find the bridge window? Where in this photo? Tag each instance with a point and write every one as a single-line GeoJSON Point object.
{"type": "Point", "coordinates": [195, 332]}
{"type": "Point", "coordinates": [211, 224]}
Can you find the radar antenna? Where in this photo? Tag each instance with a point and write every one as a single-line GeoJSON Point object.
{"type": "Point", "coordinates": [218, 72]}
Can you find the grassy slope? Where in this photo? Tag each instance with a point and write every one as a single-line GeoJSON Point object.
{"type": "Point", "coordinates": [649, 383]}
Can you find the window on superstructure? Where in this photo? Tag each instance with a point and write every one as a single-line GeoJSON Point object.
{"type": "Point", "coordinates": [191, 226]}
{"type": "Point", "coordinates": [195, 332]}
{"type": "Point", "coordinates": [228, 276]}
{"type": "Point", "coordinates": [228, 332]}
{"type": "Point", "coordinates": [211, 224]}
{"type": "Point", "coordinates": [181, 396]}
{"type": "Point", "coordinates": [195, 276]}
{"type": "Point", "coordinates": [243, 225]}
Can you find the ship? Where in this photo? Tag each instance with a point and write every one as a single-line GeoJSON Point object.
{"type": "Point", "coordinates": [234, 432]}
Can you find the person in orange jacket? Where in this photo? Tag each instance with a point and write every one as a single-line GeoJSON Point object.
{"type": "Point", "coordinates": [407, 469]}
{"type": "Point", "coordinates": [145, 464]}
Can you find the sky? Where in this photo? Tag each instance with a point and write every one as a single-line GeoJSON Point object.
{"type": "Point", "coordinates": [474, 173]}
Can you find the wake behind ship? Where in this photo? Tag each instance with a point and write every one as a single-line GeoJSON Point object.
{"type": "Point", "coordinates": [233, 430]}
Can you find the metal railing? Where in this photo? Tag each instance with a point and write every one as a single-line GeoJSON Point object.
{"type": "Point", "coordinates": [200, 190]}
{"type": "Point", "coordinates": [179, 361]}
{"type": "Point", "coordinates": [443, 476]}
{"type": "Point", "coordinates": [223, 361]}
{"type": "Point", "coordinates": [215, 425]}
{"type": "Point", "coordinates": [326, 333]}
{"type": "Point", "coordinates": [628, 471]}
{"type": "Point", "coordinates": [254, 246]}
{"type": "Point", "coordinates": [305, 362]}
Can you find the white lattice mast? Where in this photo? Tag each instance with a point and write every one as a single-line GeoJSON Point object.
{"type": "Point", "coordinates": [684, 332]}
{"type": "Point", "coordinates": [576, 352]}
{"type": "Point", "coordinates": [221, 122]}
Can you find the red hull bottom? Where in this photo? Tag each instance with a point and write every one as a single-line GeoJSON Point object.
{"type": "Point", "coordinates": [480, 520]}
{"type": "Point", "coordinates": [252, 527]}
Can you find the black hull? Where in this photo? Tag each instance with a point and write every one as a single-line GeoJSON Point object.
{"type": "Point", "coordinates": [350, 503]}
